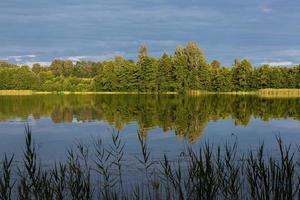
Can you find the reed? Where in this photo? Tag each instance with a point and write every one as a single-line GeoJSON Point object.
{"type": "Point", "coordinates": [97, 172]}
{"type": "Point", "coordinates": [6, 184]}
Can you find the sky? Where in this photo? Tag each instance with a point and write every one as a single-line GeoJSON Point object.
{"type": "Point", "coordinates": [263, 31]}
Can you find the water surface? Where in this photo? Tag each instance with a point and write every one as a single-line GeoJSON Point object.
{"type": "Point", "coordinates": [168, 122]}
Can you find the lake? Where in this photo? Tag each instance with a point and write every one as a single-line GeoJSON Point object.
{"type": "Point", "coordinates": [169, 123]}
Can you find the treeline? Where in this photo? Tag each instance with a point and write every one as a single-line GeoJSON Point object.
{"type": "Point", "coordinates": [187, 69]}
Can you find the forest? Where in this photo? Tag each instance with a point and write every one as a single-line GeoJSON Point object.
{"type": "Point", "coordinates": [187, 69]}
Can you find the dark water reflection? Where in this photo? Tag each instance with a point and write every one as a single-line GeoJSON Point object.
{"type": "Point", "coordinates": [187, 116]}
{"type": "Point", "coordinates": [169, 123]}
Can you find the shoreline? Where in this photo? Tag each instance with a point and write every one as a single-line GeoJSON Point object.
{"type": "Point", "coordinates": [262, 93]}
{"type": "Point", "coordinates": [32, 92]}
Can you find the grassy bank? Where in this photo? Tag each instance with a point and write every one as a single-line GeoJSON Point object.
{"type": "Point", "coordinates": [279, 92]}
{"type": "Point", "coordinates": [31, 92]}
{"type": "Point", "coordinates": [203, 92]}
{"type": "Point", "coordinates": [98, 171]}
{"type": "Point", "coordinates": [261, 92]}
{"type": "Point", "coordinates": [16, 92]}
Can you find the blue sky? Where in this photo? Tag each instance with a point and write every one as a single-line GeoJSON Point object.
{"type": "Point", "coordinates": [263, 31]}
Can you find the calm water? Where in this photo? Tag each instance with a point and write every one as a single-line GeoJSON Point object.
{"type": "Point", "coordinates": [169, 123]}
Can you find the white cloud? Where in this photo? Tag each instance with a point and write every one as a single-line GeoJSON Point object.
{"type": "Point", "coordinates": [77, 58]}
{"type": "Point", "coordinates": [278, 63]}
{"type": "Point", "coordinates": [102, 57]}
{"type": "Point", "coordinates": [265, 8]}
{"type": "Point", "coordinates": [30, 64]}
{"type": "Point", "coordinates": [19, 57]}
{"type": "Point", "coordinates": [22, 56]}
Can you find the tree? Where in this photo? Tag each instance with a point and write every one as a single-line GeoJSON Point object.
{"type": "Point", "coordinates": [165, 74]}
{"type": "Point", "coordinates": [147, 70]}
{"type": "Point", "coordinates": [276, 78]}
{"type": "Point", "coordinates": [61, 67]}
{"type": "Point", "coordinates": [221, 80]}
{"type": "Point", "coordinates": [297, 79]}
{"type": "Point", "coordinates": [215, 64]}
{"type": "Point", "coordinates": [82, 69]}
{"type": "Point", "coordinates": [121, 72]}
{"type": "Point", "coordinates": [181, 72]}
{"type": "Point", "coordinates": [107, 80]}
{"type": "Point", "coordinates": [143, 53]}
{"type": "Point", "coordinates": [186, 70]}
{"type": "Point", "coordinates": [198, 70]}
{"type": "Point", "coordinates": [36, 68]}
{"type": "Point", "coordinates": [241, 75]}
{"type": "Point", "coordinates": [261, 77]}
{"type": "Point", "coordinates": [57, 67]}
{"type": "Point", "coordinates": [67, 68]}
{"type": "Point", "coordinates": [133, 74]}
{"type": "Point", "coordinates": [4, 64]}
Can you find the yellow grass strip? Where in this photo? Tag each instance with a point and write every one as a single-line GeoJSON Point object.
{"type": "Point", "coordinates": [203, 92]}
{"type": "Point", "coordinates": [16, 92]}
{"type": "Point", "coordinates": [279, 92]}
{"type": "Point", "coordinates": [69, 92]}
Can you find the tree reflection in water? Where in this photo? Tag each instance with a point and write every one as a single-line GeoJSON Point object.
{"type": "Point", "coordinates": [187, 116]}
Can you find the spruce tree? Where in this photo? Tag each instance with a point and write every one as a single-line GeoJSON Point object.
{"type": "Point", "coordinates": [148, 71]}
{"type": "Point", "coordinates": [181, 72]}
{"type": "Point", "coordinates": [165, 74]}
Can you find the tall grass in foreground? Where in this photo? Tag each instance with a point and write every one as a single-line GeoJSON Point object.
{"type": "Point", "coordinates": [98, 172]}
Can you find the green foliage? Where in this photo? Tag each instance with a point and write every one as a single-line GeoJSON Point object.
{"type": "Point", "coordinates": [20, 78]}
{"type": "Point", "coordinates": [215, 64]}
{"type": "Point", "coordinates": [198, 71]}
{"type": "Point", "coordinates": [261, 77]}
{"type": "Point", "coordinates": [297, 76]}
{"type": "Point", "coordinates": [181, 71]}
{"type": "Point", "coordinates": [107, 79]}
{"type": "Point", "coordinates": [241, 75]}
{"type": "Point", "coordinates": [61, 67]}
{"type": "Point", "coordinates": [221, 80]}
{"type": "Point", "coordinates": [165, 74]}
{"type": "Point", "coordinates": [187, 69]}
{"type": "Point", "coordinates": [147, 71]}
